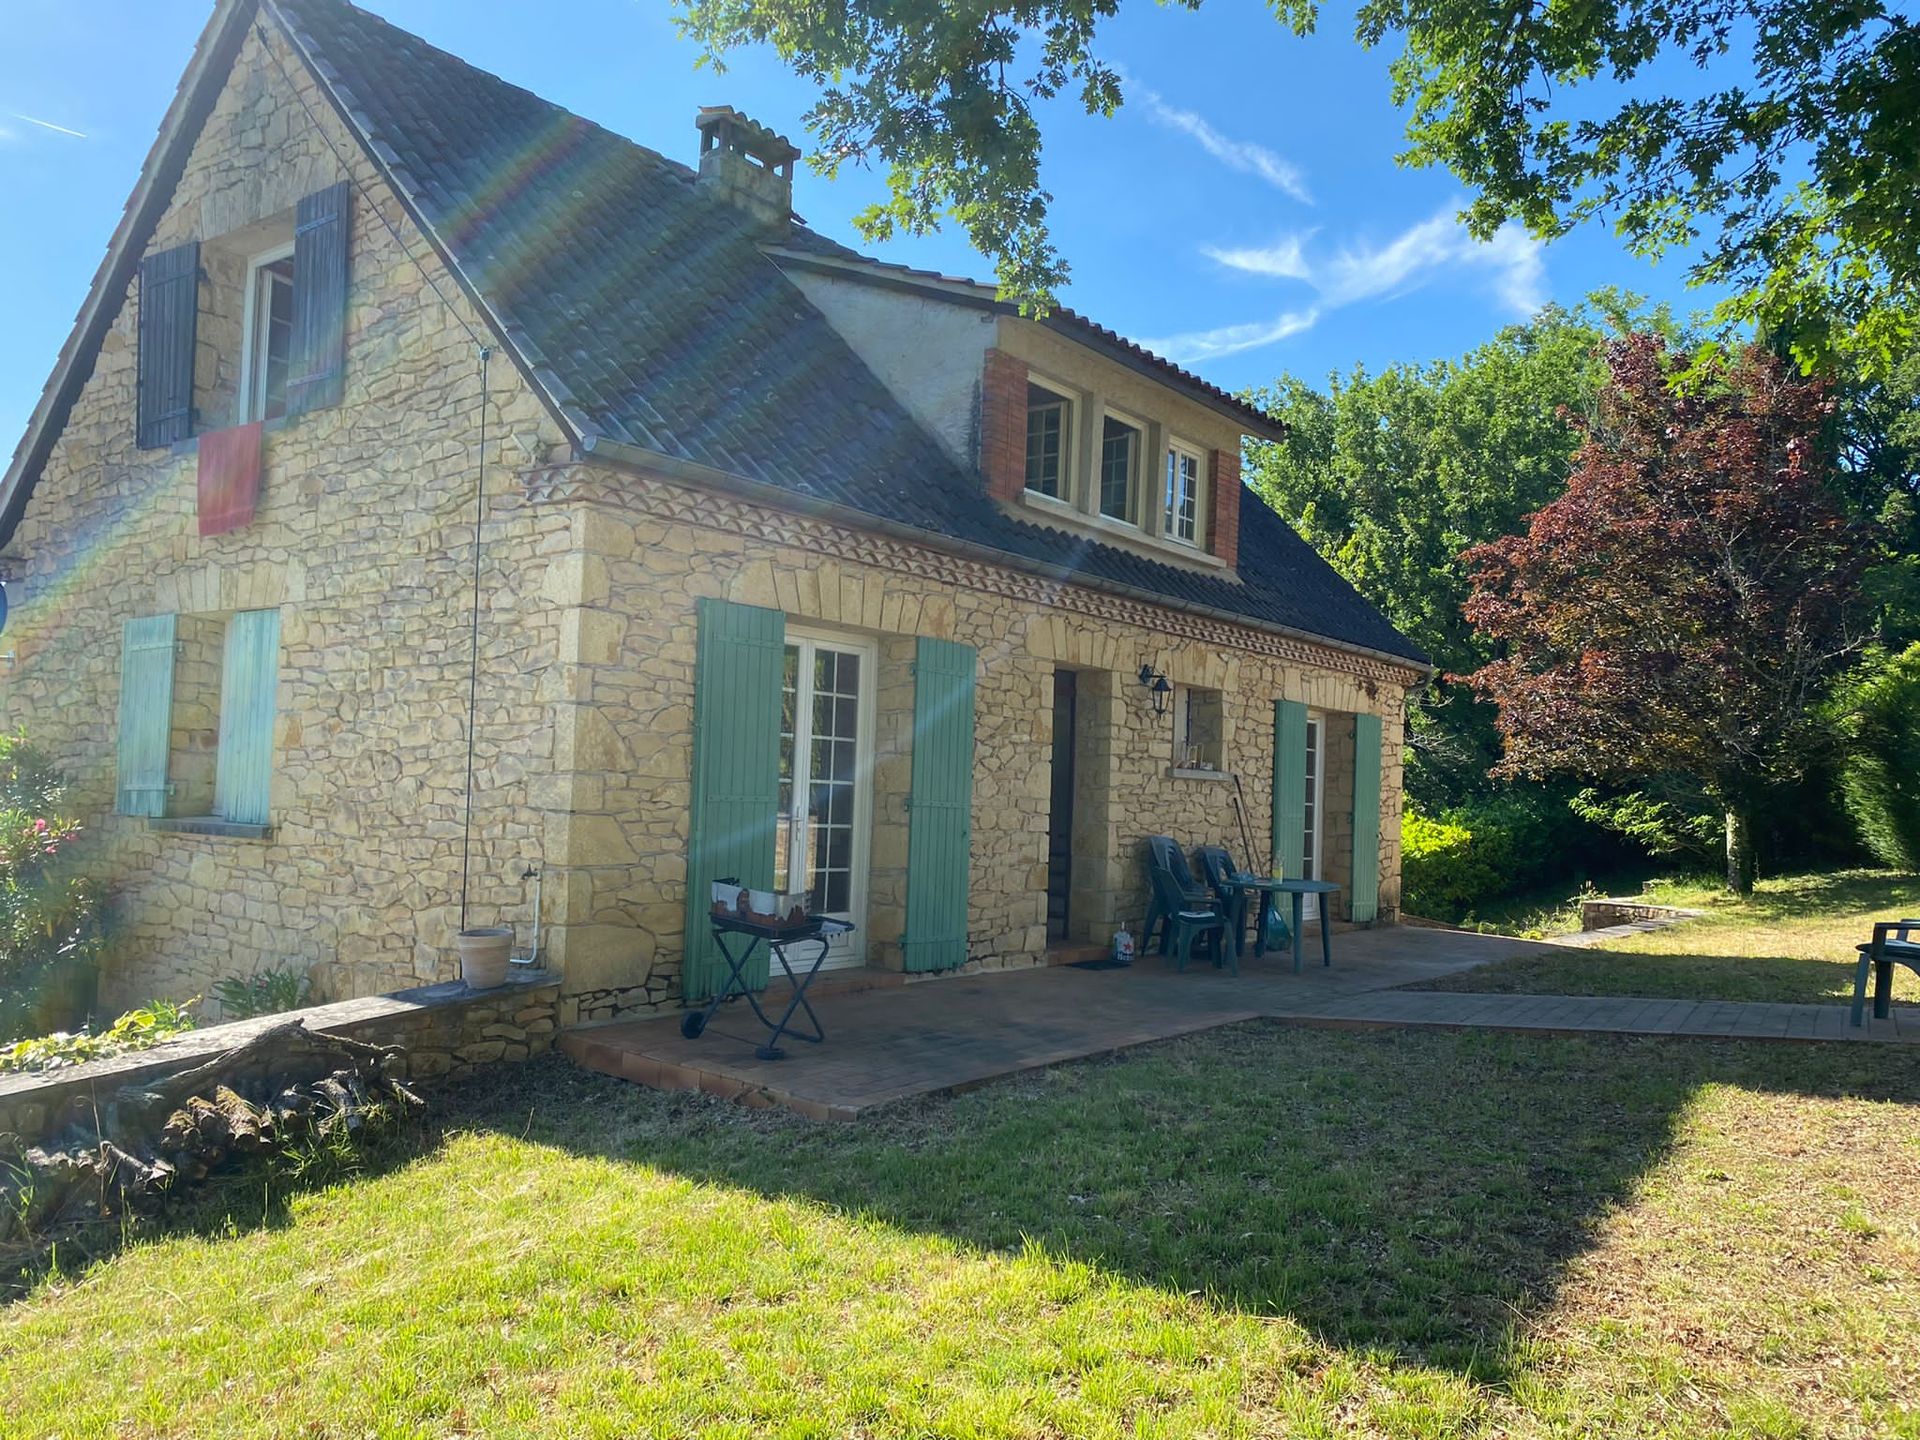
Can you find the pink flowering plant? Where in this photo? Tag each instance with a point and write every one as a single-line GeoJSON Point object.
{"type": "Point", "coordinates": [49, 913]}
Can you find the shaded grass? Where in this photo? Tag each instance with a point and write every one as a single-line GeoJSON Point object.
{"type": "Point", "coordinates": [1791, 941]}
{"type": "Point", "coordinates": [1255, 1231]}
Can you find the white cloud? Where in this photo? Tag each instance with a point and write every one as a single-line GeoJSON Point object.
{"type": "Point", "coordinates": [1197, 346]}
{"type": "Point", "coordinates": [1242, 155]}
{"type": "Point", "coordinates": [1285, 259]}
{"type": "Point", "coordinates": [1416, 255]}
{"type": "Point", "coordinates": [1511, 262]}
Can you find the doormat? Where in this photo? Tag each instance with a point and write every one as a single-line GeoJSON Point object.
{"type": "Point", "coordinates": [1107, 963]}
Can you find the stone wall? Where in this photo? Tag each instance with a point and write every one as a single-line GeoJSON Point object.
{"type": "Point", "coordinates": [651, 547]}
{"type": "Point", "coordinates": [446, 1030]}
{"type": "Point", "coordinates": [363, 540]}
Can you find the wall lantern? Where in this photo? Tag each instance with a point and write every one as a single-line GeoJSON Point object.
{"type": "Point", "coordinates": [1157, 687]}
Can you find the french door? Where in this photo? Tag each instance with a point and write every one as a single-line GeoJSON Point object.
{"type": "Point", "coordinates": [826, 782]}
{"type": "Point", "coordinates": [1310, 845]}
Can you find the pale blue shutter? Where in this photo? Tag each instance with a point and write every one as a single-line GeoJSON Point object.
{"type": "Point", "coordinates": [1289, 789]}
{"type": "Point", "coordinates": [940, 818]}
{"type": "Point", "coordinates": [736, 774]}
{"type": "Point", "coordinates": [249, 699]}
{"type": "Point", "coordinates": [146, 715]}
{"type": "Point", "coordinates": [1365, 895]}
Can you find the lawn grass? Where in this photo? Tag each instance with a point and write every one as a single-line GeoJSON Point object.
{"type": "Point", "coordinates": [1258, 1231]}
{"type": "Point", "coordinates": [1792, 940]}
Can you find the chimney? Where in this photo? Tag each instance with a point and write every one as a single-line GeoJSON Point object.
{"type": "Point", "coordinates": [745, 163]}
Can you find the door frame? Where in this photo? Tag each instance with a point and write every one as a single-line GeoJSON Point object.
{"type": "Point", "coordinates": [849, 950]}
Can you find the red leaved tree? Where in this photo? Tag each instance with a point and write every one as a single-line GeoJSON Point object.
{"type": "Point", "coordinates": [1681, 607]}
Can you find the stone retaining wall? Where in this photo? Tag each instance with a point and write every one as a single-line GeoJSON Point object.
{"type": "Point", "coordinates": [446, 1030]}
{"type": "Point", "coordinates": [1599, 914]}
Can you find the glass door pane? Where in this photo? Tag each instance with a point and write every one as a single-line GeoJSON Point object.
{"type": "Point", "coordinates": [825, 782]}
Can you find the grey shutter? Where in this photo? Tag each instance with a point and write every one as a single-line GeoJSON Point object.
{"type": "Point", "coordinates": [249, 699]}
{"type": "Point", "coordinates": [146, 715]}
{"type": "Point", "coordinates": [169, 313]}
{"type": "Point", "coordinates": [317, 359]}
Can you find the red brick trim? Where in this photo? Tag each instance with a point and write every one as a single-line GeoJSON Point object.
{"type": "Point", "coordinates": [1223, 505]}
{"type": "Point", "coordinates": [1003, 425]}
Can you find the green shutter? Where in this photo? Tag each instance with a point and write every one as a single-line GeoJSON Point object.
{"type": "Point", "coordinates": [736, 773]}
{"type": "Point", "coordinates": [317, 348]}
{"type": "Point", "coordinates": [169, 314]}
{"type": "Point", "coordinates": [146, 714]}
{"type": "Point", "coordinates": [940, 815]}
{"type": "Point", "coordinates": [249, 700]}
{"type": "Point", "coordinates": [1365, 894]}
{"type": "Point", "coordinates": [1289, 789]}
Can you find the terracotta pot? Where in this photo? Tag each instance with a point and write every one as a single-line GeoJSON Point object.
{"type": "Point", "coordinates": [483, 956]}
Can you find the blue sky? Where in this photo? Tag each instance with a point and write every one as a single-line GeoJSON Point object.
{"type": "Point", "coordinates": [1243, 212]}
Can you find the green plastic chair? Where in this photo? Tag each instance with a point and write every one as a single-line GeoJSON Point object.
{"type": "Point", "coordinates": [1182, 909]}
{"type": "Point", "coordinates": [1892, 945]}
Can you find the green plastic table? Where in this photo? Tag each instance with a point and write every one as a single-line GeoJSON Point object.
{"type": "Point", "coordinates": [1299, 890]}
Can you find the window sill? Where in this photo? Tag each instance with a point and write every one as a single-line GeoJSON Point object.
{"type": "Point", "coordinates": [209, 825]}
{"type": "Point", "coordinates": [1046, 509]}
{"type": "Point", "coordinates": [191, 445]}
{"type": "Point", "coordinates": [1186, 772]}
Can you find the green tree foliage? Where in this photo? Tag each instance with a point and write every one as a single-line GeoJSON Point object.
{"type": "Point", "coordinates": [1794, 167]}
{"type": "Point", "coordinates": [1879, 481]}
{"type": "Point", "coordinates": [1878, 712]}
{"type": "Point", "coordinates": [1681, 609]}
{"type": "Point", "coordinates": [1392, 476]}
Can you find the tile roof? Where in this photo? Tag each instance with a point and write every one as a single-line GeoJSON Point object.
{"type": "Point", "coordinates": [648, 309]}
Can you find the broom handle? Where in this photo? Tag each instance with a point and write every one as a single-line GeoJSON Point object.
{"type": "Point", "coordinates": [1240, 809]}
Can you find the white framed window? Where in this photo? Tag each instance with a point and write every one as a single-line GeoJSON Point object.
{"type": "Point", "coordinates": [267, 323]}
{"type": "Point", "coordinates": [1182, 512]}
{"type": "Point", "coordinates": [1119, 467]}
{"type": "Point", "coordinates": [1049, 442]}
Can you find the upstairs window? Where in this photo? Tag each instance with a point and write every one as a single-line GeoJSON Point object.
{"type": "Point", "coordinates": [1047, 421]}
{"type": "Point", "coordinates": [1119, 460]}
{"type": "Point", "coordinates": [1183, 495]}
{"type": "Point", "coordinates": [269, 337]}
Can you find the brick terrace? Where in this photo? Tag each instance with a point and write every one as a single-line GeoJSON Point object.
{"type": "Point", "coordinates": [916, 1039]}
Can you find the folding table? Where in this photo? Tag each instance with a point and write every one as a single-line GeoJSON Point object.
{"type": "Point", "coordinates": [776, 938]}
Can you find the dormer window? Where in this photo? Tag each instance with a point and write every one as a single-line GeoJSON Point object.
{"type": "Point", "coordinates": [1048, 422]}
{"type": "Point", "coordinates": [1182, 518]}
{"type": "Point", "coordinates": [269, 335]}
{"type": "Point", "coordinates": [1119, 467]}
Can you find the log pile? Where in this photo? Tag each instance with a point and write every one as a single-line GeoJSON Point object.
{"type": "Point", "coordinates": [285, 1087]}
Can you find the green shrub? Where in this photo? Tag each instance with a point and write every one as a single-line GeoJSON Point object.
{"type": "Point", "coordinates": [1441, 874]}
{"type": "Point", "coordinates": [265, 992]}
{"type": "Point", "coordinates": [1509, 844]}
{"type": "Point", "coordinates": [136, 1030]}
{"type": "Point", "coordinates": [1878, 715]}
{"type": "Point", "coordinates": [49, 915]}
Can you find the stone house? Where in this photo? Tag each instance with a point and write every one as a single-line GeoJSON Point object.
{"type": "Point", "coordinates": [441, 497]}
